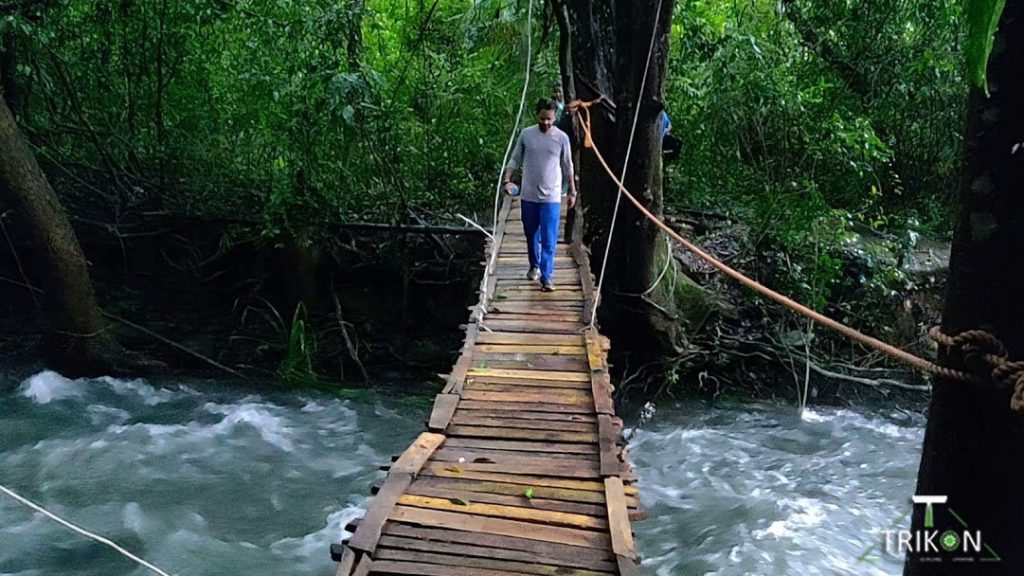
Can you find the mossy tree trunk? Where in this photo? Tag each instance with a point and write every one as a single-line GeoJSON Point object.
{"type": "Point", "coordinates": [79, 343]}
{"type": "Point", "coordinates": [972, 444]}
{"type": "Point", "coordinates": [610, 41]}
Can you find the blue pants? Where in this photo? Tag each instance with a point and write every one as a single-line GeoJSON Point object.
{"type": "Point", "coordinates": [540, 223]}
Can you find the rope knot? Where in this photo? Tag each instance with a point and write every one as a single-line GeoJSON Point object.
{"type": "Point", "coordinates": [985, 356]}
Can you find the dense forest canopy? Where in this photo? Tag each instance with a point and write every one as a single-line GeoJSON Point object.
{"type": "Point", "coordinates": [810, 123]}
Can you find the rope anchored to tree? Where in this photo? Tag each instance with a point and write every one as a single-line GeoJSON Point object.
{"type": "Point", "coordinates": [981, 352]}
{"type": "Point", "coordinates": [985, 358]}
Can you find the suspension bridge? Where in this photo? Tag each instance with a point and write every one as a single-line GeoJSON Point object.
{"type": "Point", "coordinates": [522, 469]}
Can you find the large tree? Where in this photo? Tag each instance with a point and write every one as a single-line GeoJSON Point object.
{"type": "Point", "coordinates": [972, 445]}
{"type": "Point", "coordinates": [608, 46]}
{"type": "Point", "coordinates": [79, 343]}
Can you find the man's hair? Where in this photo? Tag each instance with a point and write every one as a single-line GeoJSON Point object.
{"type": "Point", "coordinates": [546, 104]}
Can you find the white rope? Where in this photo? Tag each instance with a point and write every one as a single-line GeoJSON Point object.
{"type": "Point", "coordinates": [668, 262]}
{"type": "Point", "coordinates": [625, 164]}
{"type": "Point", "coordinates": [82, 531]}
{"type": "Point", "coordinates": [504, 161]}
{"type": "Point", "coordinates": [477, 226]}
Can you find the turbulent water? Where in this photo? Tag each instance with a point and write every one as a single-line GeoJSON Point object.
{"type": "Point", "coordinates": [203, 479]}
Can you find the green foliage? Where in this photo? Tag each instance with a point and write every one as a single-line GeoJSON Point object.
{"type": "Point", "coordinates": [297, 365]}
{"type": "Point", "coordinates": [807, 118]}
{"type": "Point", "coordinates": [982, 21]}
{"type": "Point", "coordinates": [295, 113]}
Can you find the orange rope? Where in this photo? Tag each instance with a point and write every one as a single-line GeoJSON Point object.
{"type": "Point", "coordinates": [873, 343]}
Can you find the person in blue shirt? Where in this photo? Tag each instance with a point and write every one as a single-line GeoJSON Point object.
{"type": "Point", "coordinates": [670, 145]}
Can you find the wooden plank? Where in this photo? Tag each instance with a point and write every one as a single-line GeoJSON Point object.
{"type": "Point", "coordinates": [446, 470]}
{"type": "Point", "coordinates": [519, 500]}
{"type": "Point", "coordinates": [550, 317]}
{"type": "Point", "coordinates": [621, 533]}
{"type": "Point", "coordinates": [537, 296]}
{"type": "Point", "coordinates": [528, 406]}
{"type": "Point", "coordinates": [363, 567]}
{"type": "Point", "coordinates": [524, 326]}
{"type": "Point", "coordinates": [525, 446]}
{"type": "Point", "coordinates": [474, 486]}
{"type": "Point", "coordinates": [531, 397]}
{"type": "Point", "coordinates": [525, 385]}
{"type": "Point", "coordinates": [606, 439]}
{"type": "Point", "coordinates": [417, 569]}
{"type": "Point", "coordinates": [540, 517]}
{"type": "Point", "coordinates": [368, 533]}
{"type": "Point", "coordinates": [531, 374]}
{"type": "Point", "coordinates": [528, 310]}
{"type": "Point", "coordinates": [517, 528]}
{"type": "Point", "coordinates": [444, 409]}
{"type": "Point", "coordinates": [432, 543]}
{"type": "Point", "coordinates": [531, 362]}
{"type": "Point", "coordinates": [558, 417]}
{"type": "Point", "coordinates": [418, 453]}
{"type": "Point", "coordinates": [524, 349]}
{"type": "Point", "coordinates": [566, 389]}
{"type": "Point", "coordinates": [535, 339]}
{"type": "Point", "coordinates": [472, 454]}
{"type": "Point", "coordinates": [595, 354]}
{"type": "Point", "coordinates": [401, 475]}
{"type": "Point", "coordinates": [347, 562]}
{"type": "Point", "coordinates": [600, 385]}
{"type": "Point", "coordinates": [481, 565]}
{"type": "Point", "coordinates": [595, 559]}
{"type": "Point", "coordinates": [468, 419]}
{"type": "Point", "coordinates": [520, 434]}
{"type": "Point", "coordinates": [458, 374]}
{"type": "Point", "coordinates": [581, 470]}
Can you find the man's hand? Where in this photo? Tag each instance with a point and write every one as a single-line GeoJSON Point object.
{"type": "Point", "coordinates": [572, 200]}
{"type": "Point", "coordinates": [509, 187]}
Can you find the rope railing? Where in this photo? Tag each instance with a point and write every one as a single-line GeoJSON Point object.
{"type": "Point", "coordinates": [973, 344]}
{"type": "Point", "coordinates": [91, 535]}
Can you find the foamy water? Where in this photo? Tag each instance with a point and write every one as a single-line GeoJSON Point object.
{"type": "Point", "coordinates": [204, 479]}
{"type": "Point", "coordinates": [199, 480]}
{"type": "Point", "coordinates": [744, 490]}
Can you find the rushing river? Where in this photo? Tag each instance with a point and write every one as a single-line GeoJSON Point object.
{"type": "Point", "coordinates": [203, 479]}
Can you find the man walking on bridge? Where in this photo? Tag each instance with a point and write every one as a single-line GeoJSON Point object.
{"type": "Point", "coordinates": [543, 154]}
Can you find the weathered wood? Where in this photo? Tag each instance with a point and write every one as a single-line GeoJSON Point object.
{"type": "Point", "coordinates": [521, 445]}
{"type": "Point", "coordinates": [526, 406]}
{"type": "Point", "coordinates": [444, 408]}
{"type": "Point", "coordinates": [524, 349]}
{"type": "Point", "coordinates": [583, 400]}
{"type": "Point", "coordinates": [480, 565]}
{"type": "Point", "coordinates": [525, 385]}
{"type": "Point", "coordinates": [521, 434]}
{"type": "Point", "coordinates": [600, 389]}
{"type": "Point", "coordinates": [531, 374]}
{"type": "Point", "coordinates": [432, 543]}
{"type": "Point", "coordinates": [544, 517]}
{"type": "Point", "coordinates": [501, 526]}
{"type": "Point", "coordinates": [531, 362]}
{"type": "Point", "coordinates": [465, 418]}
{"type": "Point", "coordinates": [621, 533]}
{"type": "Point", "coordinates": [401, 475]}
{"type": "Point", "coordinates": [347, 562]}
{"type": "Point", "coordinates": [527, 415]}
{"type": "Point", "coordinates": [606, 439]}
{"type": "Point", "coordinates": [519, 500]}
{"type": "Point", "coordinates": [534, 339]}
{"type": "Point", "coordinates": [418, 453]}
{"type": "Point", "coordinates": [472, 485]}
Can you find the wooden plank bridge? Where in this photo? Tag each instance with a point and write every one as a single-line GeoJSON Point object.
{"type": "Point", "coordinates": [522, 470]}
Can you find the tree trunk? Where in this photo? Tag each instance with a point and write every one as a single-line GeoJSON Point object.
{"type": "Point", "coordinates": [78, 343]}
{"type": "Point", "coordinates": [973, 441]}
{"type": "Point", "coordinates": [610, 43]}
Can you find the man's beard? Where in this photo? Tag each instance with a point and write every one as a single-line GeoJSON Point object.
{"type": "Point", "coordinates": [543, 128]}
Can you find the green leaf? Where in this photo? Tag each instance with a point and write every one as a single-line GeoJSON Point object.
{"type": "Point", "coordinates": [982, 22]}
{"type": "Point", "coordinates": [459, 501]}
{"type": "Point", "coordinates": [529, 493]}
